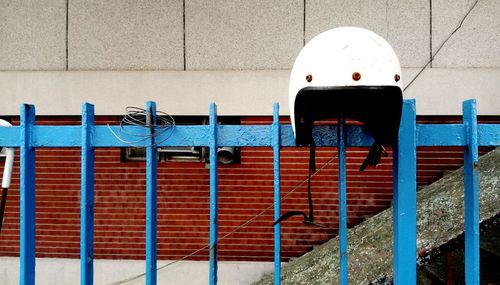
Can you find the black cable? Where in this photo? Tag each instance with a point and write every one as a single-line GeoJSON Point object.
{"type": "Point", "coordinates": [309, 196]}
{"type": "Point", "coordinates": [251, 220]}
{"type": "Point", "coordinates": [2, 206]}
{"type": "Point", "coordinates": [138, 117]}
{"type": "Point", "coordinates": [308, 219]}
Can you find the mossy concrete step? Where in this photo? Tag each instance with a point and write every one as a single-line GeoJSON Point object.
{"type": "Point", "coordinates": [440, 219]}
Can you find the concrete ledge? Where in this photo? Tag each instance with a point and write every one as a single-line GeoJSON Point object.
{"type": "Point", "coordinates": [439, 91]}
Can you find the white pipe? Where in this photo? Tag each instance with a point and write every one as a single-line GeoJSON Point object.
{"type": "Point", "coordinates": [9, 160]}
{"type": "Point", "coordinates": [225, 155]}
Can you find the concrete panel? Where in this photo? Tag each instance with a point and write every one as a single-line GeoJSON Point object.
{"type": "Point", "coordinates": [243, 34]}
{"type": "Point", "coordinates": [476, 43]}
{"type": "Point", "coordinates": [404, 24]}
{"type": "Point", "coordinates": [125, 35]}
{"type": "Point", "coordinates": [325, 15]}
{"type": "Point", "coordinates": [408, 31]}
{"type": "Point", "coordinates": [439, 91]}
{"type": "Point", "coordinates": [33, 35]}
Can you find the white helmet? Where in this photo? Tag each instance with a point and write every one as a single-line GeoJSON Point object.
{"type": "Point", "coordinates": [349, 70]}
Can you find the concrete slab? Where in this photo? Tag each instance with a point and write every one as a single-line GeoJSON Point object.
{"type": "Point", "coordinates": [438, 91]}
{"type": "Point", "coordinates": [408, 31]}
{"type": "Point", "coordinates": [404, 24]}
{"type": "Point", "coordinates": [125, 35]}
{"type": "Point", "coordinates": [476, 43]}
{"type": "Point", "coordinates": [325, 15]}
{"type": "Point", "coordinates": [239, 34]}
{"type": "Point", "coordinates": [33, 35]}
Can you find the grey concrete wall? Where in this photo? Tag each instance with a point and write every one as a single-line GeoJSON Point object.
{"type": "Point", "coordinates": [125, 35]}
{"type": "Point", "coordinates": [404, 24]}
{"type": "Point", "coordinates": [242, 34]}
{"type": "Point", "coordinates": [230, 37]}
{"type": "Point", "coordinates": [476, 44]}
{"type": "Point", "coordinates": [32, 35]}
{"type": "Point", "coordinates": [229, 34]}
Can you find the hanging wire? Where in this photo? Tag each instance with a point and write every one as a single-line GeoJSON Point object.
{"type": "Point", "coordinates": [441, 46]}
{"type": "Point", "coordinates": [251, 220]}
{"type": "Point", "coordinates": [138, 117]}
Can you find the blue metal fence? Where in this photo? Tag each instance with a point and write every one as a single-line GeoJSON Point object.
{"type": "Point", "coordinates": [28, 136]}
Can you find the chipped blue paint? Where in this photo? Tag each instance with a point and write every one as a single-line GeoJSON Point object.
{"type": "Point", "coordinates": [434, 135]}
{"type": "Point", "coordinates": [471, 195]}
{"type": "Point", "coordinates": [277, 193]}
{"type": "Point", "coordinates": [235, 135]}
{"type": "Point", "coordinates": [27, 197]}
{"type": "Point", "coordinates": [488, 134]}
{"type": "Point", "coordinates": [404, 175]}
{"type": "Point", "coordinates": [341, 147]}
{"type": "Point", "coordinates": [151, 194]}
{"type": "Point", "coordinates": [214, 195]}
{"type": "Point", "coordinates": [87, 197]}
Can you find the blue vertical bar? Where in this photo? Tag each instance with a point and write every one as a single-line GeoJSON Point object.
{"type": "Point", "coordinates": [471, 195]}
{"type": "Point", "coordinates": [27, 193]}
{"type": "Point", "coordinates": [87, 197]}
{"type": "Point", "coordinates": [405, 199]}
{"type": "Point", "coordinates": [151, 187]}
{"type": "Point", "coordinates": [277, 202]}
{"type": "Point", "coordinates": [213, 195]}
{"type": "Point", "coordinates": [341, 147]}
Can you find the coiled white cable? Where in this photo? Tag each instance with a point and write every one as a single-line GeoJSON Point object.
{"type": "Point", "coordinates": [138, 117]}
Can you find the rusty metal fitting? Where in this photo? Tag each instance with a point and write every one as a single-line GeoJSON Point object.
{"type": "Point", "coordinates": [356, 76]}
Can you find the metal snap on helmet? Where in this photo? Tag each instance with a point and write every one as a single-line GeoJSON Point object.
{"type": "Point", "coordinates": [349, 70]}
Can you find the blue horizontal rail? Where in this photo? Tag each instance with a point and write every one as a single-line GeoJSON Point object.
{"type": "Point", "coordinates": [253, 136]}
{"type": "Point", "coordinates": [29, 136]}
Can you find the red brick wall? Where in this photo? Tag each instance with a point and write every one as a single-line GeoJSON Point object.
{"type": "Point", "coordinates": [245, 190]}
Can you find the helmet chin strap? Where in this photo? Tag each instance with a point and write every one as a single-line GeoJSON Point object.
{"type": "Point", "coordinates": [2, 206]}
{"type": "Point", "coordinates": [308, 219]}
{"type": "Point", "coordinates": [374, 155]}
{"type": "Point", "coordinates": [373, 158]}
